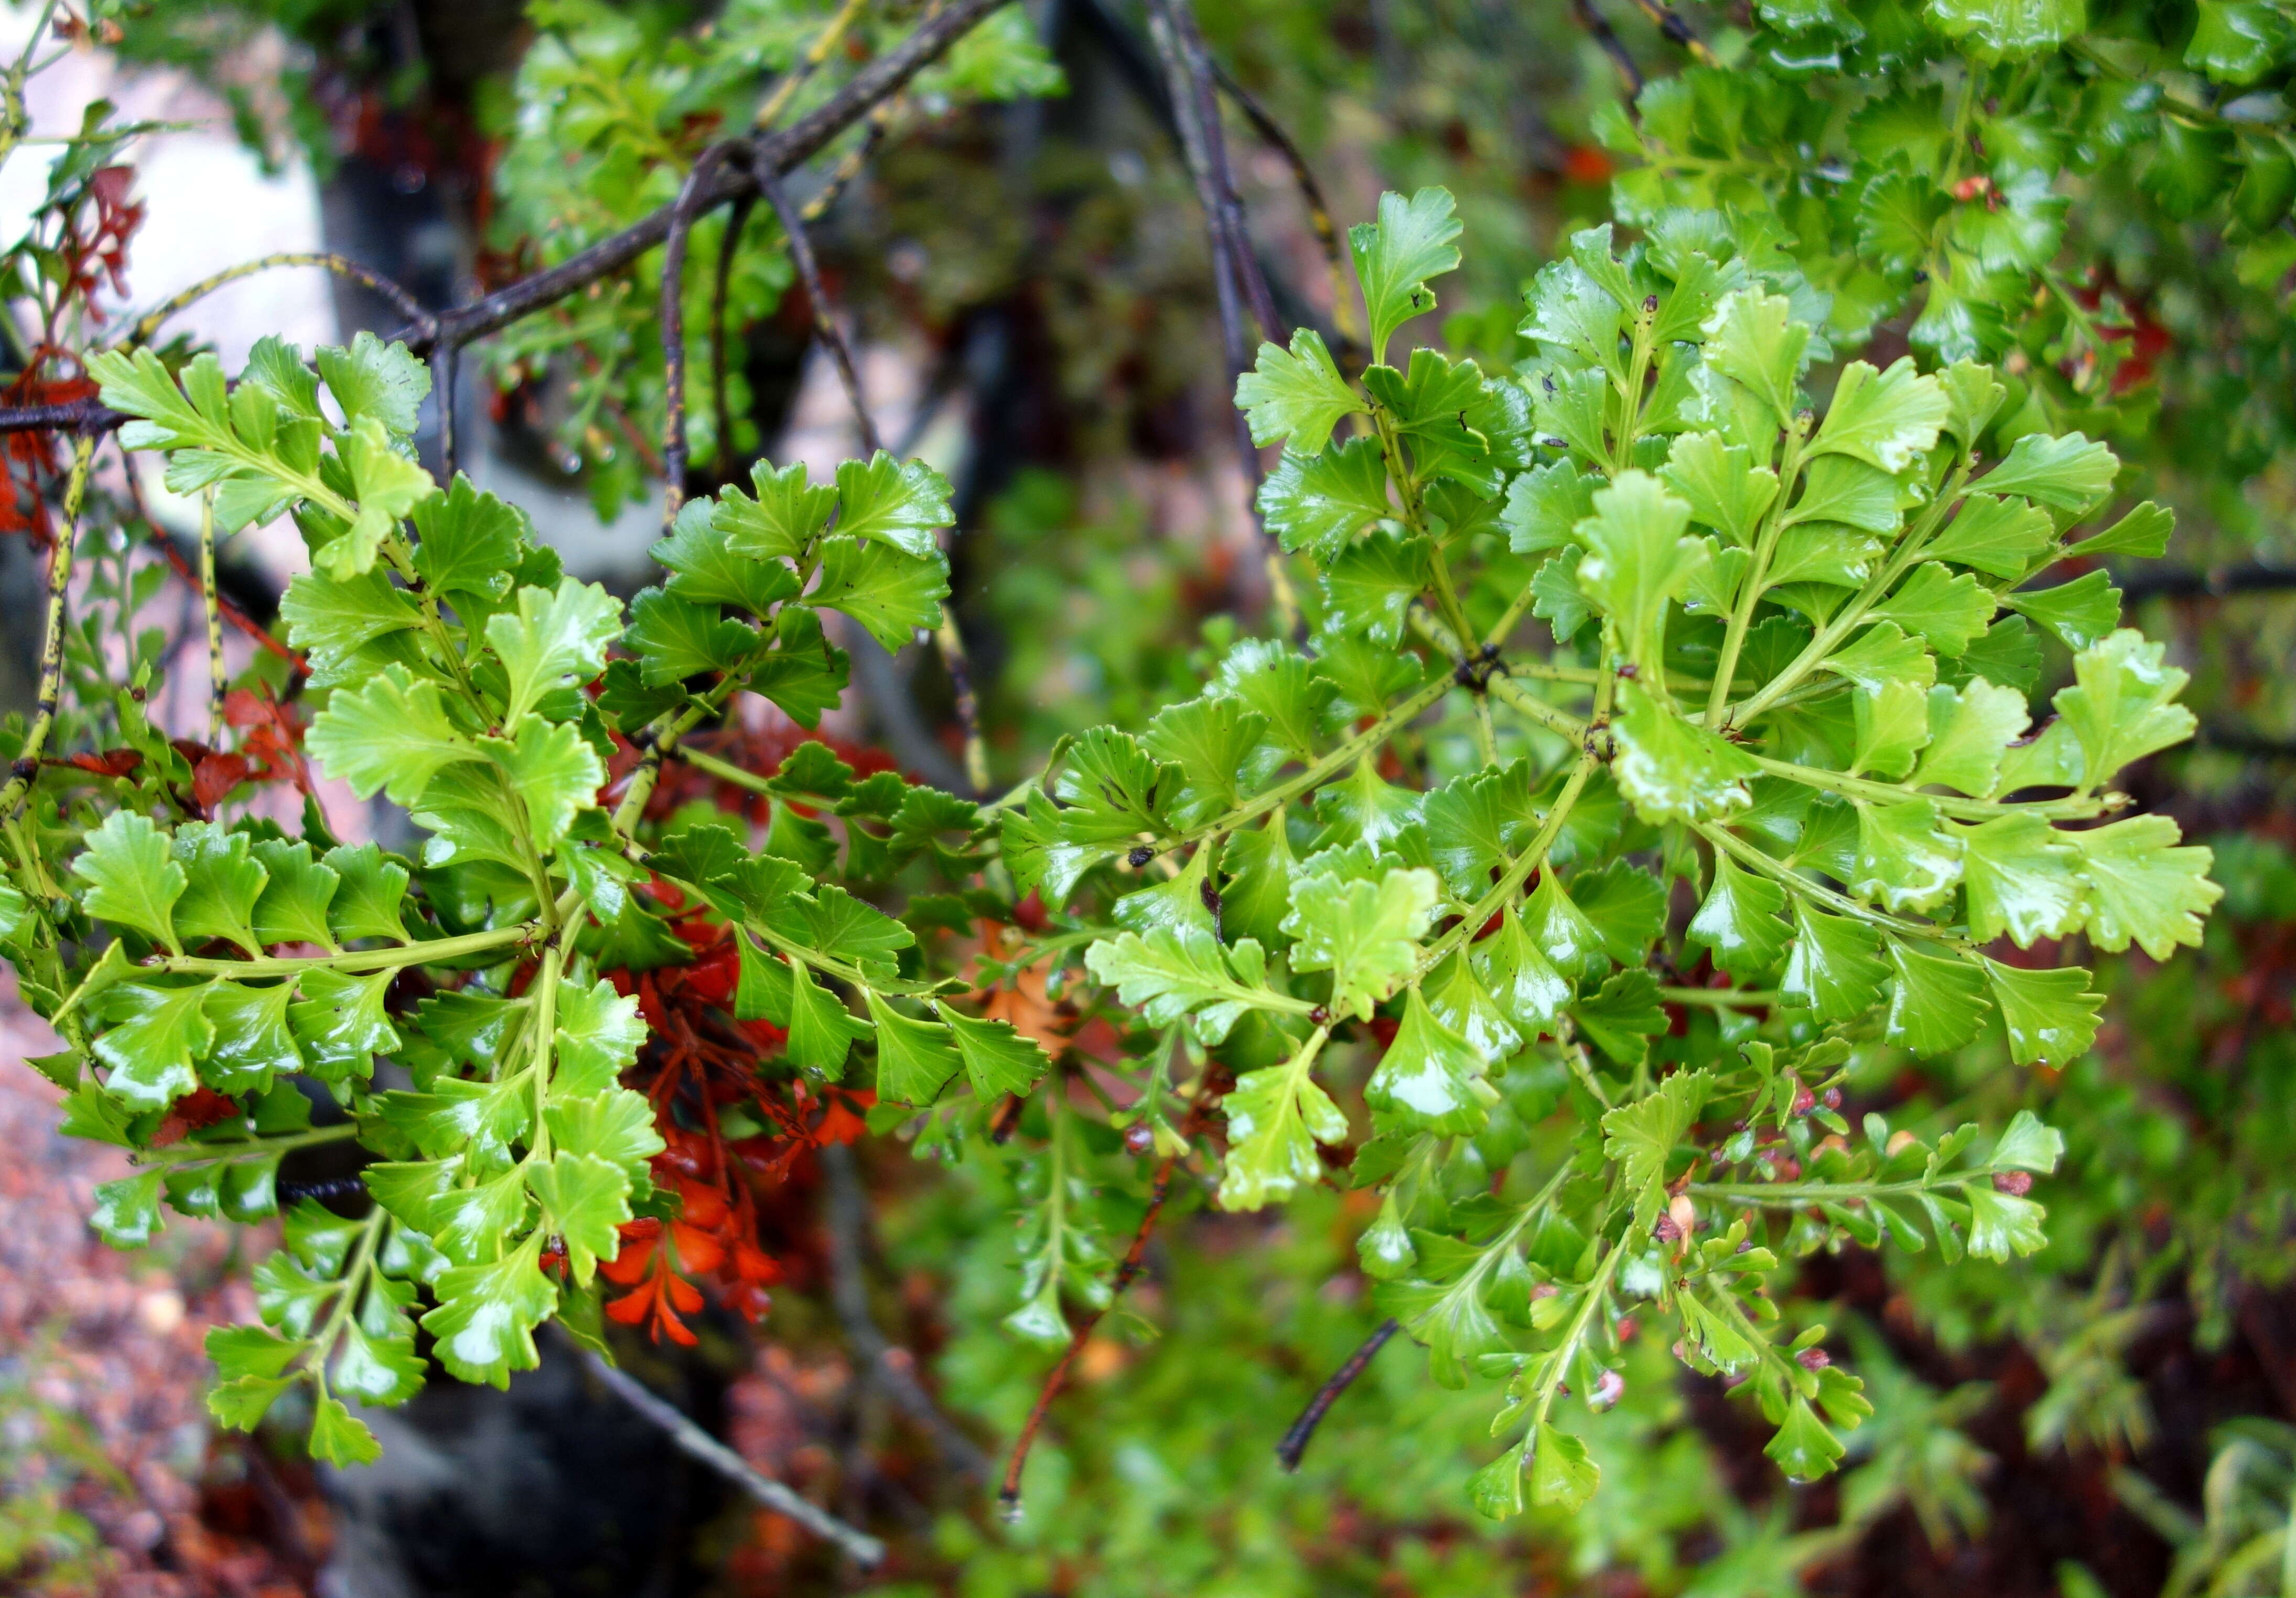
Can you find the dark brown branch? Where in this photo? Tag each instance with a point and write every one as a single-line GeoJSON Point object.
{"type": "Point", "coordinates": [672, 316]}
{"type": "Point", "coordinates": [1676, 32]}
{"type": "Point", "coordinates": [824, 318]}
{"type": "Point", "coordinates": [443, 361]}
{"type": "Point", "coordinates": [2249, 578]}
{"type": "Point", "coordinates": [772, 155]}
{"type": "Point", "coordinates": [847, 1213]}
{"type": "Point", "coordinates": [1303, 1430]}
{"type": "Point", "coordinates": [1319, 211]}
{"type": "Point", "coordinates": [1008, 1496]}
{"type": "Point", "coordinates": [1598, 25]}
{"type": "Point", "coordinates": [721, 286]}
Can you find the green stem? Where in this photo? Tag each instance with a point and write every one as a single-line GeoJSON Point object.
{"type": "Point", "coordinates": [1794, 882]}
{"type": "Point", "coordinates": [1792, 1195]}
{"type": "Point", "coordinates": [1516, 698]}
{"type": "Point", "coordinates": [1765, 544]}
{"type": "Point", "coordinates": [1888, 793]}
{"type": "Point", "coordinates": [1504, 891]}
{"type": "Point", "coordinates": [189, 1153]}
{"type": "Point", "coordinates": [434, 953]}
{"type": "Point", "coordinates": [1722, 998]}
{"type": "Point", "coordinates": [1597, 1292]}
{"type": "Point", "coordinates": [354, 1279]}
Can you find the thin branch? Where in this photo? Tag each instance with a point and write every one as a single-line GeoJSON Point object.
{"type": "Point", "coordinates": [1677, 31]}
{"type": "Point", "coordinates": [1008, 1495]}
{"type": "Point", "coordinates": [218, 679]}
{"type": "Point", "coordinates": [721, 286]}
{"type": "Point", "coordinates": [402, 301]}
{"type": "Point", "coordinates": [846, 1215]}
{"type": "Point", "coordinates": [1598, 25]}
{"type": "Point", "coordinates": [826, 42]}
{"type": "Point", "coordinates": [672, 316]}
{"type": "Point", "coordinates": [1319, 214]}
{"type": "Point", "coordinates": [19, 786]}
{"type": "Point", "coordinates": [865, 1549]}
{"type": "Point", "coordinates": [2250, 577]}
{"type": "Point", "coordinates": [848, 165]}
{"type": "Point", "coordinates": [824, 318]}
{"type": "Point", "coordinates": [444, 360]}
{"type": "Point", "coordinates": [167, 544]}
{"type": "Point", "coordinates": [1302, 1431]}
{"type": "Point", "coordinates": [1236, 272]}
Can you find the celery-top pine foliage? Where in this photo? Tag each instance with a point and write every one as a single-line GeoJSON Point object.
{"type": "Point", "coordinates": [1739, 646]}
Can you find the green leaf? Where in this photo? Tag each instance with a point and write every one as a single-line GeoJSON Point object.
{"type": "Point", "coordinates": [2008, 654]}
{"type": "Point", "coordinates": [1936, 1001]}
{"type": "Point", "coordinates": [997, 1060]}
{"type": "Point", "coordinates": [1476, 824]}
{"type": "Point", "coordinates": [1413, 241]}
{"type": "Point", "coordinates": [379, 1367]}
{"type": "Point", "coordinates": [1622, 1016]}
{"type": "Point", "coordinates": [2050, 1016]}
{"type": "Point", "coordinates": [1371, 585]}
{"type": "Point", "coordinates": [335, 618]}
{"type": "Point", "coordinates": [341, 1024]}
{"type": "Point", "coordinates": [1457, 999]}
{"type": "Point", "coordinates": [126, 1213]}
{"type": "Point", "coordinates": [1669, 769]}
{"type": "Point", "coordinates": [2070, 473]}
{"type": "Point", "coordinates": [1835, 968]}
{"type": "Point", "coordinates": [2001, 537]}
{"type": "Point", "coordinates": [2143, 533]}
{"type": "Point", "coordinates": [1641, 1136]}
{"type": "Point", "coordinates": [914, 1058]}
{"type": "Point", "coordinates": [155, 1035]}
{"type": "Point", "coordinates": [1970, 729]}
{"type": "Point", "coordinates": [2142, 888]}
{"type": "Point", "coordinates": [484, 1324]}
{"type": "Point", "coordinates": [804, 674]}
{"type": "Point", "coordinates": [297, 891]}
{"type": "Point", "coordinates": [2029, 1144]}
{"type": "Point", "coordinates": [1754, 339]}
{"type": "Point", "coordinates": [2119, 706]}
{"type": "Point", "coordinates": [1907, 858]}
{"type": "Point", "coordinates": [2079, 612]}
{"type": "Point", "coordinates": [375, 379]}
{"type": "Point", "coordinates": [556, 634]}
{"type": "Point", "coordinates": [889, 593]}
{"type": "Point", "coordinates": [1366, 933]}
{"type": "Point", "coordinates": [1524, 984]}
{"type": "Point", "coordinates": [252, 1044]}
{"type": "Point", "coordinates": [469, 542]}
{"type": "Point", "coordinates": [1561, 1471]}
{"type": "Point", "coordinates": [1725, 488]}
{"type": "Point", "coordinates": [554, 772]}
{"type": "Point", "coordinates": [1176, 971]}
{"type": "Point", "coordinates": [599, 1035]}
{"type": "Point", "coordinates": [587, 1200]}
{"type": "Point", "coordinates": [787, 514]}
{"type": "Point", "coordinates": [1545, 504]}
{"type": "Point", "coordinates": [1297, 397]}
{"type": "Point", "coordinates": [1742, 921]}
{"type": "Point", "coordinates": [2022, 880]}
{"type": "Point", "coordinates": [821, 1030]}
{"type": "Point", "coordinates": [677, 639]}
{"type": "Point", "coordinates": [1886, 419]}
{"type": "Point", "coordinates": [1881, 656]}
{"type": "Point", "coordinates": [1625, 905]}
{"type": "Point", "coordinates": [900, 504]}
{"type": "Point", "coordinates": [373, 889]}
{"type": "Point", "coordinates": [387, 485]}
{"type": "Point", "coordinates": [2003, 1225]}
{"type": "Point", "coordinates": [1320, 502]}
{"type": "Point", "coordinates": [1803, 1448]}
{"type": "Point", "coordinates": [393, 735]}
{"type": "Point", "coordinates": [1557, 598]}
{"type": "Point", "coordinates": [1275, 1116]}
{"type": "Point", "coordinates": [1892, 723]}
{"type": "Point", "coordinates": [706, 569]}
{"type": "Point", "coordinates": [1637, 558]}
{"type": "Point", "coordinates": [1561, 932]}
{"type": "Point", "coordinates": [1431, 1079]}
{"type": "Point", "coordinates": [1219, 746]}
{"type": "Point", "coordinates": [131, 881]}
{"type": "Point", "coordinates": [1947, 610]}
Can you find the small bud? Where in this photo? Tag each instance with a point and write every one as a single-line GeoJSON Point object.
{"type": "Point", "coordinates": [1684, 1214]}
{"type": "Point", "coordinates": [1813, 1359]}
{"type": "Point", "coordinates": [2016, 1183]}
{"type": "Point", "coordinates": [1650, 304]}
{"type": "Point", "coordinates": [1140, 856]}
{"type": "Point", "coordinates": [1804, 1100]}
{"type": "Point", "coordinates": [1139, 1138]}
{"type": "Point", "coordinates": [1628, 1327]}
{"type": "Point", "coordinates": [1629, 671]}
{"type": "Point", "coordinates": [1833, 1099]}
{"type": "Point", "coordinates": [1609, 1386]}
{"type": "Point", "coordinates": [1899, 1140]}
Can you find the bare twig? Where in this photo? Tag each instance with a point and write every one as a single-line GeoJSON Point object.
{"type": "Point", "coordinates": [52, 639]}
{"type": "Point", "coordinates": [825, 42]}
{"type": "Point", "coordinates": [1677, 31]}
{"type": "Point", "coordinates": [691, 1440]}
{"type": "Point", "coordinates": [1235, 272]}
{"type": "Point", "coordinates": [2249, 578]}
{"type": "Point", "coordinates": [846, 1215]}
{"type": "Point", "coordinates": [1599, 26]}
{"type": "Point", "coordinates": [824, 316]}
{"type": "Point", "coordinates": [721, 286]}
{"type": "Point", "coordinates": [672, 317]}
{"type": "Point", "coordinates": [217, 677]}
{"type": "Point", "coordinates": [1344, 320]}
{"type": "Point", "coordinates": [405, 303]}
{"type": "Point", "coordinates": [848, 165]}
{"type": "Point", "coordinates": [1303, 1431]}
{"type": "Point", "coordinates": [1008, 1495]}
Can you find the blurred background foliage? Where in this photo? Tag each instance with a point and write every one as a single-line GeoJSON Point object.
{"type": "Point", "coordinates": [1031, 283]}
